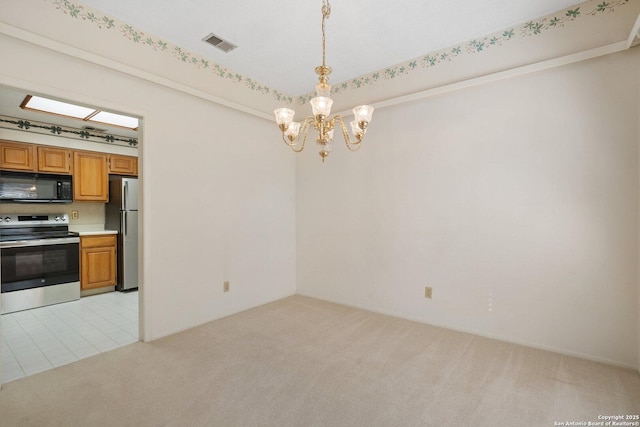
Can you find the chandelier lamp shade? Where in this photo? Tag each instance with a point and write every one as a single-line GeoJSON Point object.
{"type": "Point", "coordinates": [294, 134]}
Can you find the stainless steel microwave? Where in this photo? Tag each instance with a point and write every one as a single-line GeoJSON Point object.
{"type": "Point", "coordinates": [27, 187]}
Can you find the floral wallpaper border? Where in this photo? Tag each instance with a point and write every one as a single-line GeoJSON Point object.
{"type": "Point", "coordinates": [31, 126]}
{"type": "Point", "coordinates": [476, 46]}
{"type": "Point", "coordinates": [139, 37]}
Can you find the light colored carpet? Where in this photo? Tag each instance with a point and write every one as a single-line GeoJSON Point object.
{"type": "Point", "coordinates": [304, 362]}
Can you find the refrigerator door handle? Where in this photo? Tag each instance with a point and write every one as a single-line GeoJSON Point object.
{"type": "Point", "coordinates": [124, 223]}
{"type": "Point", "coordinates": [126, 195]}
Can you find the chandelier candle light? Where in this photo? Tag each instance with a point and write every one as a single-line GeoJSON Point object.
{"type": "Point", "coordinates": [294, 134]}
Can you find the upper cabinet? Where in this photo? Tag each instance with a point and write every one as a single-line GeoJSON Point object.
{"type": "Point", "coordinates": [16, 156]}
{"type": "Point", "coordinates": [90, 177]}
{"type": "Point", "coordinates": [54, 160]}
{"type": "Point", "coordinates": [123, 165]}
{"type": "Point", "coordinates": [90, 169]}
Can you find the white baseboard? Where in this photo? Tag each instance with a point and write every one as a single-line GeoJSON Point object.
{"type": "Point", "coordinates": [562, 351]}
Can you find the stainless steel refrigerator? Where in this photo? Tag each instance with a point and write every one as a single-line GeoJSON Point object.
{"type": "Point", "coordinates": [122, 215]}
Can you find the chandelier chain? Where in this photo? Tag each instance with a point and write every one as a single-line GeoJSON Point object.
{"type": "Point", "coordinates": [305, 128]}
{"type": "Point", "coordinates": [294, 134]}
{"type": "Point", "coordinates": [326, 11]}
{"type": "Point", "coordinates": [352, 146]}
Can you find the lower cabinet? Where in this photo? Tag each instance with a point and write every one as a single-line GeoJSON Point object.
{"type": "Point", "coordinates": [97, 261]}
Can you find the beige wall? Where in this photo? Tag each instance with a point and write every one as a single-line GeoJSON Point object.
{"type": "Point", "coordinates": [517, 201]}
{"type": "Point", "coordinates": [217, 199]}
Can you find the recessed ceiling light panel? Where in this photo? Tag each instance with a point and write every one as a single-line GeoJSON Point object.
{"type": "Point", "coordinates": [56, 107]}
{"type": "Point", "coordinates": [50, 106]}
{"type": "Point", "coordinates": [115, 119]}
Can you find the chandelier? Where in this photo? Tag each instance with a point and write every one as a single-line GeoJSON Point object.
{"type": "Point", "coordinates": [294, 134]}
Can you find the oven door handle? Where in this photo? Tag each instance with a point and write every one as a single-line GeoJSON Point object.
{"type": "Point", "coordinates": [40, 242]}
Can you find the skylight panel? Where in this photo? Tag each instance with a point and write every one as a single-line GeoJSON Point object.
{"type": "Point", "coordinates": [56, 107]}
{"type": "Point", "coordinates": [115, 119]}
{"type": "Point", "coordinates": [50, 106]}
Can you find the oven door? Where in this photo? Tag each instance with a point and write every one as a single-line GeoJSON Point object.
{"type": "Point", "coordinates": [32, 264]}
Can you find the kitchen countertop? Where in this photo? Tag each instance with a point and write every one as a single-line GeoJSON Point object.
{"type": "Point", "coordinates": [96, 232]}
{"type": "Point", "coordinates": [91, 230]}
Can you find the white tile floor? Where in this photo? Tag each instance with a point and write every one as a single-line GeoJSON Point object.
{"type": "Point", "coordinates": [46, 337]}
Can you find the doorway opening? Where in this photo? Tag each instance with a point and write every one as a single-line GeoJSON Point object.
{"type": "Point", "coordinates": [103, 318]}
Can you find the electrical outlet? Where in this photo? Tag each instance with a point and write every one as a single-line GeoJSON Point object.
{"type": "Point", "coordinates": [225, 286]}
{"type": "Point", "coordinates": [74, 215]}
{"type": "Point", "coordinates": [427, 292]}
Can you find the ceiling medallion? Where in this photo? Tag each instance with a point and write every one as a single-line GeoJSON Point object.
{"type": "Point", "coordinates": [294, 134]}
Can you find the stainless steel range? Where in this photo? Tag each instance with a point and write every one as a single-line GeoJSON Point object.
{"type": "Point", "coordinates": [40, 261]}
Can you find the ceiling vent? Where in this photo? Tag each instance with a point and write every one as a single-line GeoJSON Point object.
{"type": "Point", "coordinates": [94, 129]}
{"type": "Point", "coordinates": [220, 43]}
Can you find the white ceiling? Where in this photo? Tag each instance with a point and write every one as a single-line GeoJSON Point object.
{"type": "Point", "coordinates": [279, 41]}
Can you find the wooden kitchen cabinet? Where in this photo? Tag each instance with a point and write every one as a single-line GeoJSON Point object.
{"type": "Point", "coordinates": [123, 165]}
{"type": "Point", "coordinates": [17, 156]}
{"type": "Point", "coordinates": [54, 160]}
{"type": "Point", "coordinates": [90, 170]}
{"type": "Point", "coordinates": [90, 177]}
{"type": "Point", "coordinates": [97, 261]}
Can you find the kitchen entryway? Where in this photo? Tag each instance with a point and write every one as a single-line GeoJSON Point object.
{"type": "Point", "coordinates": [43, 338]}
